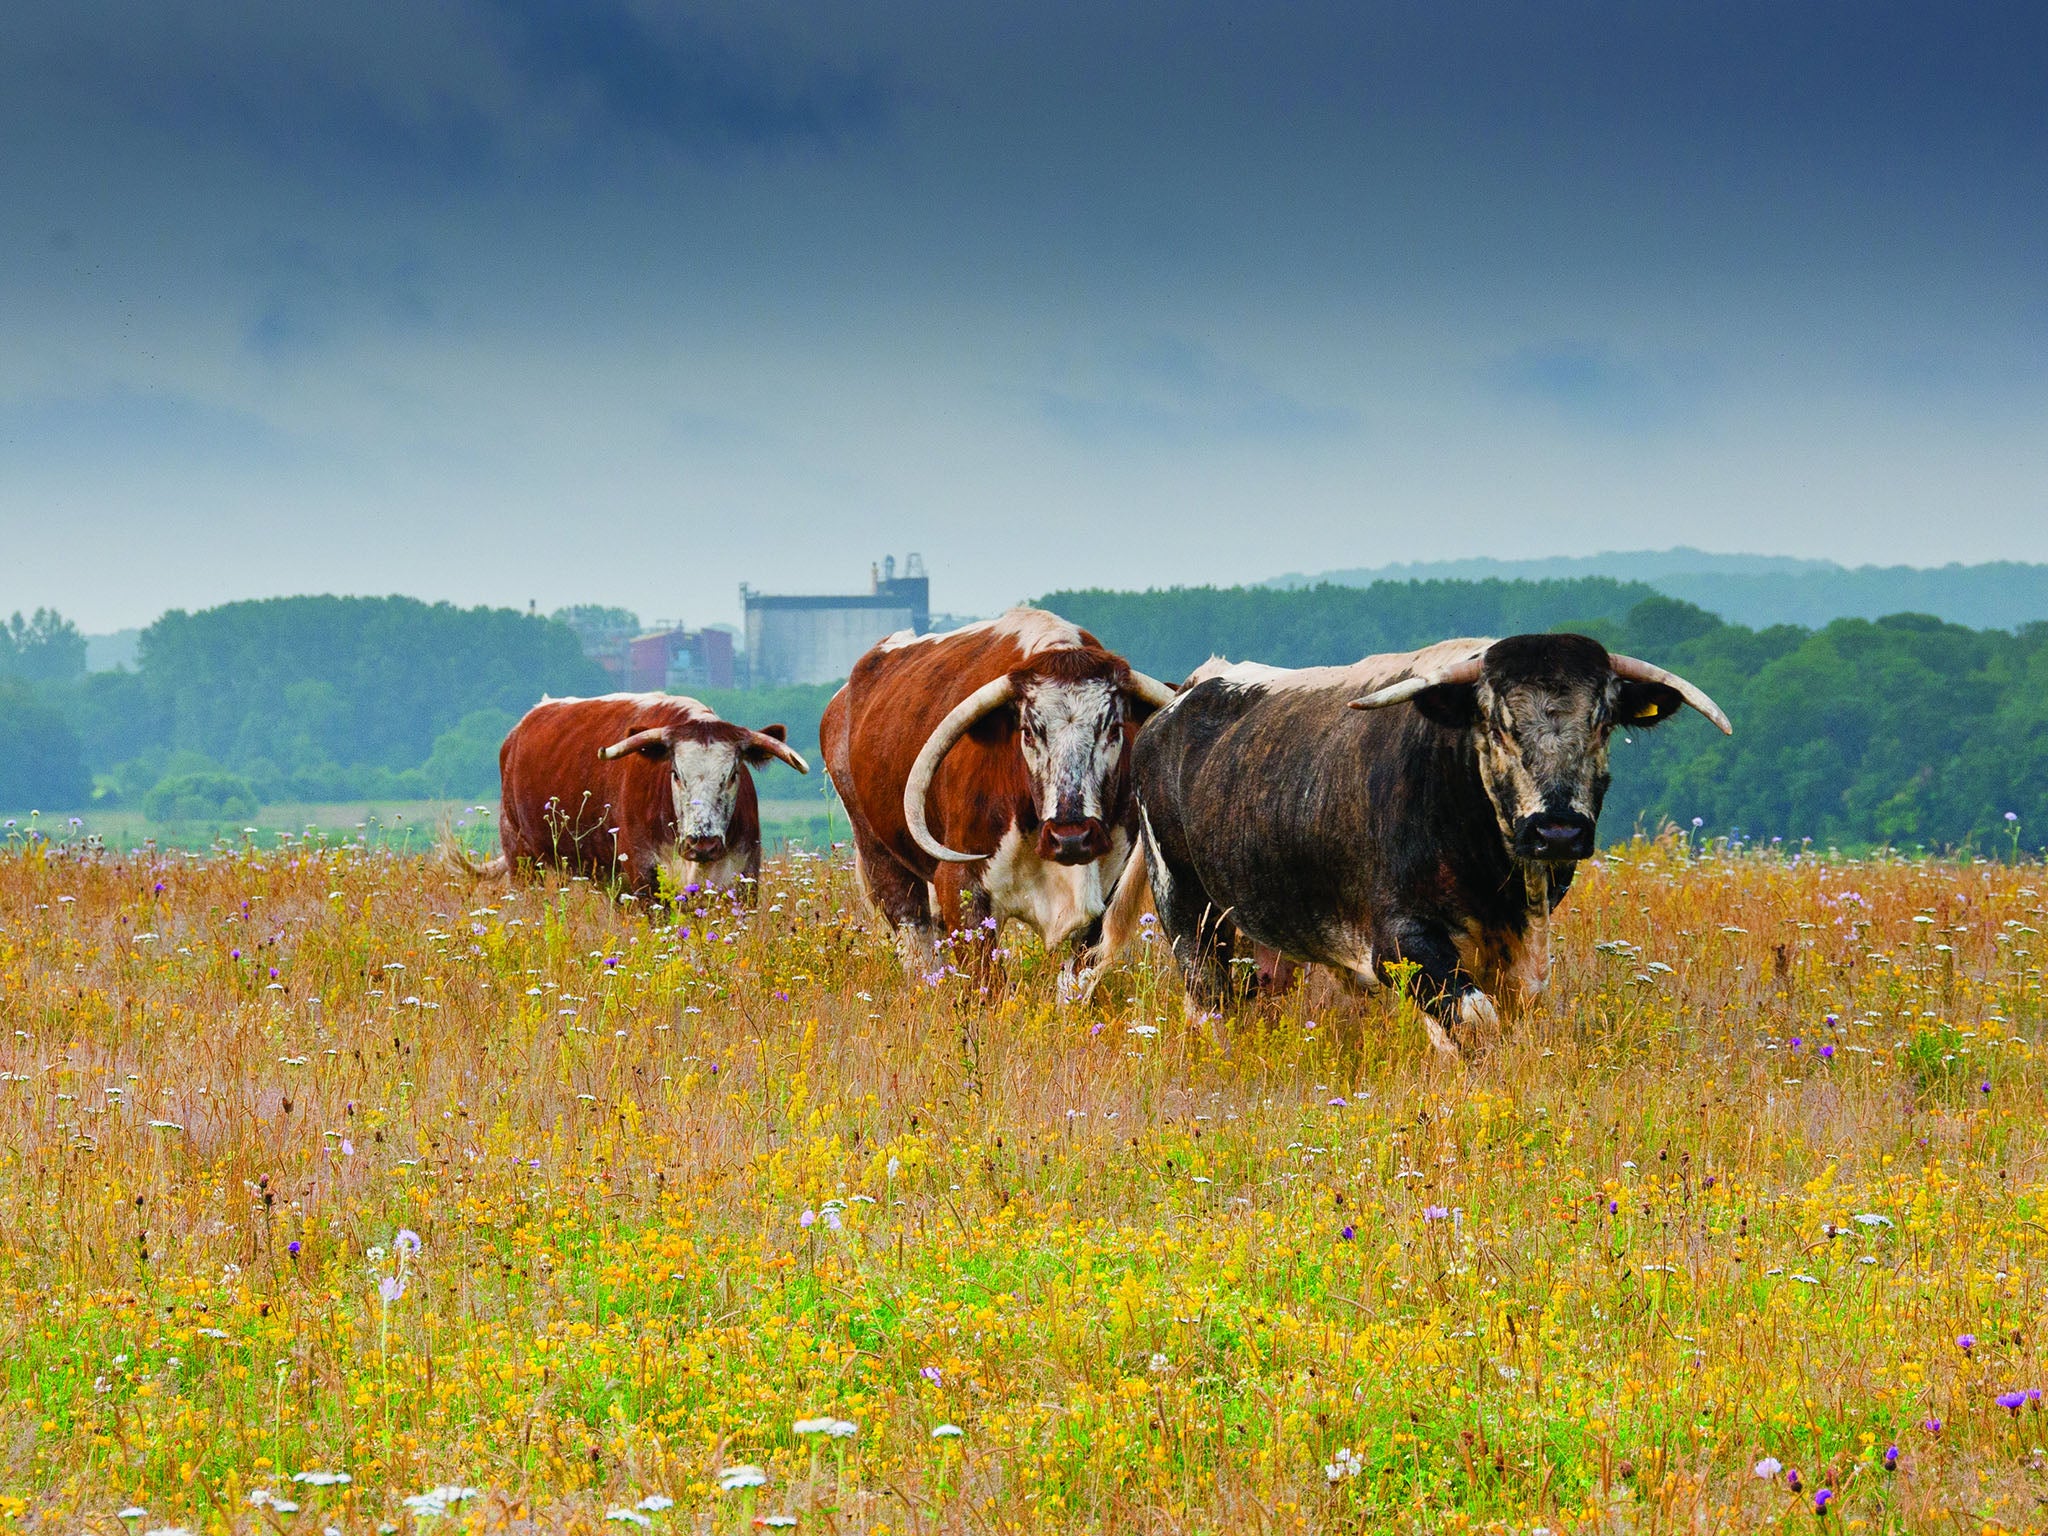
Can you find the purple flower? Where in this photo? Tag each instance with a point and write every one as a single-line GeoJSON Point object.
{"type": "Point", "coordinates": [1932, 1426]}
{"type": "Point", "coordinates": [1827, 1052]}
{"type": "Point", "coordinates": [1792, 1479]}
{"type": "Point", "coordinates": [611, 962]}
{"type": "Point", "coordinates": [1349, 1232]}
{"type": "Point", "coordinates": [1434, 1213]}
{"type": "Point", "coordinates": [1793, 1043]}
{"type": "Point", "coordinates": [807, 1218]}
{"type": "Point", "coordinates": [292, 1247]}
{"type": "Point", "coordinates": [273, 973]}
{"type": "Point", "coordinates": [1614, 1207]}
{"type": "Point", "coordinates": [390, 1288]}
{"type": "Point", "coordinates": [1985, 1086]}
{"type": "Point", "coordinates": [1966, 1342]}
{"type": "Point", "coordinates": [1891, 1458]}
{"type": "Point", "coordinates": [1832, 1021]}
{"type": "Point", "coordinates": [407, 1241]}
{"type": "Point", "coordinates": [931, 1374]}
{"type": "Point", "coordinates": [1820, 1500]}
{"type": "Point", "coordinates": [234, 954]}
{"type": "Point", "coordinates": [2012, 1402]}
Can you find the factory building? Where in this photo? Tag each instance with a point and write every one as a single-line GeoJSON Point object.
{"type": "Point", "coordinates": [794, 639]}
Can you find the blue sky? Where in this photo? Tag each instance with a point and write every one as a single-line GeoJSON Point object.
{"type": "Point", "coordinates": [634, 302]}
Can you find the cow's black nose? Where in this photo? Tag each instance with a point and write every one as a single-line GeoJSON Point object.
{"type": "Point", "coordinates": [1555, 835]}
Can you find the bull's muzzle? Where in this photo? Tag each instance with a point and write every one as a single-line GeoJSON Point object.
{"type": "Point", "coordinates": [1073, 842]}
{"type": "Point", "coordinates": [1554, 837]}
{"type": "Point", "coordinates": [704, 850]}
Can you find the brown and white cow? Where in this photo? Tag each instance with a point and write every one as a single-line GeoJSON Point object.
{"type": "Point", "coordinates": [620, 787]}
{"type": "Point", "coordinates": [987, 771]}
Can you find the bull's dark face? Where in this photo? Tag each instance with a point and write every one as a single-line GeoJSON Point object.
{"type": "Point", "coordinates": [1072, 738]}
{"type": "Point", "coordinates": [1541, 714]}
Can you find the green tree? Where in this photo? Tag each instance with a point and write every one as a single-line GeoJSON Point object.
{"type": "Point", "coordinates": [41, 764]}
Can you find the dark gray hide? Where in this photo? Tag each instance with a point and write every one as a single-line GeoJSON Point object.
{"type": "Point", "coordinates": [1441, 830]}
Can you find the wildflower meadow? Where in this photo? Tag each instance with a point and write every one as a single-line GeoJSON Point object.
{"type": "Point", "coordinates": [342, 1194]}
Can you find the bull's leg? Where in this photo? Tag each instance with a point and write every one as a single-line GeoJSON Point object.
{"type": "Point", "coordinates": [1200, 934]}
{"type": "Point", "coordinates": [902, 899]}
{"type": "Point", "coordinates": [967, 915]}
{"type": "Point", "coordinates": [1454, 1009]}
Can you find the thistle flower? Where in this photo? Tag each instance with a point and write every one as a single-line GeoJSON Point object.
{"type": "Point", "coordinates": [1821, 1497]}
{"type": "Point", "coordinates": [2012, 1402]}
{"type": "Point", "coordinates": [1966, 1342]}
{"type": "Point", "coordinates": [1891, 1458]}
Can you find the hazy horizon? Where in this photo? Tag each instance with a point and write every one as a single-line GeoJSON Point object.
{"type": "Point", "coordinates": [630, 303]}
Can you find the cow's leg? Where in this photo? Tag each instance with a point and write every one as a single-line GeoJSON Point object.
{"type": "Point", "coordinates": [966, 918]}
{"type": "Point", "coordinates": [903, 900]}
{"type": "Point", "coordinates": [1454, 1009]}
{"type": "Point", "coordinates": [1200, 934]}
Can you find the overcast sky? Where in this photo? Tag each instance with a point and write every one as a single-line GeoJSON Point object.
{"type": "Point", "coordinates": [603, 300]}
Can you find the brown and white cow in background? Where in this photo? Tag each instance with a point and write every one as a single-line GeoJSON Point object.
{"type": "Point", "coordinates": [620, 787]}
{"type": "Point", "coordinates": [986, 773]}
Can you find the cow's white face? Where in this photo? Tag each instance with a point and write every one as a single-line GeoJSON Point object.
{"type": "Point", "coordinates": [705, 779]}
{"type": "Point", "coordinates": [1072, 736]}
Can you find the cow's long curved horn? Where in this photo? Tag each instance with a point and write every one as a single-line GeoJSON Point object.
{"type": "Point", "coordinates": [635, 742]}
{"type": "Point", "coordinates": [1466, 671]}
{"type": "Point", "coordinates": [1642, 672]}
{"type": "Point", "coordinates": [989, 696]}
{"type": "Point", "coordinates": [1149, 690]}
{"type": "Point", "coordinates": [779, 748]}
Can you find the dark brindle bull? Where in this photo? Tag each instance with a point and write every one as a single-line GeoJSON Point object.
{"type": "Point", "coordinates": [1427, 807]}
{"type": "Point", "coordinates": [988, 770]}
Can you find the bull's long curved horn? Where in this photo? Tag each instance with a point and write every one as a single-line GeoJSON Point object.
{"type": "Point", "coordinates": [1149, 690]}
{"type": "Point", "coordinates": [777, 747]}
{"type": "Point", "coordinates": [1466, 671]}
{"type": "Point", "coordinates": [1642, 672]}
{"type": "Point", "coordinates": [989, 696]}
{"type": "Point", "coordinates": [635, 742]}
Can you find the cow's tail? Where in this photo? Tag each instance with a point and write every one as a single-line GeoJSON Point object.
{"type": "Point", "coordinates": [1119, 922]}
{"type": "Point", "coordinates": [461, 861]}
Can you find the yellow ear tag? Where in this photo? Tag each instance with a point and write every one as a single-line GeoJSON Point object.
{"type": "Point", "coordinates": [1649, 712]}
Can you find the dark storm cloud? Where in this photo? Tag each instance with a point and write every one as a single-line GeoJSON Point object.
{"type": "Point", "coordinates": [676, 79]}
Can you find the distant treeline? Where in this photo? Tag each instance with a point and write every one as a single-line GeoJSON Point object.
{"type": "Point", "coordinates": [1761, 590]}
{"type": "Point", "coordinates": [1905, 730]}
{"type": "Point", "coordinates": [303, 698]}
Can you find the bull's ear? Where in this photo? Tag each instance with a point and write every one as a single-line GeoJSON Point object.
{"type": "Point", "coordinates": [1452, 704]}
{"type": "Point", "coordinates": [995, 727]}
{"type": "Point", "coordinates": [653, 744]}
{"type": "Point", "coordinates": [755, 753]}
{"type": "Point", "coordinates": [1645, 704]}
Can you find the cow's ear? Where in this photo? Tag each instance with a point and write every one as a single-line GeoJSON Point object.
{"type": "Point", "coordinates": [756, 754]}
{"type": "Point", "coordinates": [1645, 704]}
{"type": "Point", "coordinates": [1452, 704]}
{"type": "Point", "coordinates": [995, 727]}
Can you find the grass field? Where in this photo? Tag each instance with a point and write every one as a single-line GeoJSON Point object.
{"type": "Point", "coordinates": [394, 825]}
{"type": "Point", "coordinates": [328, 1182]}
